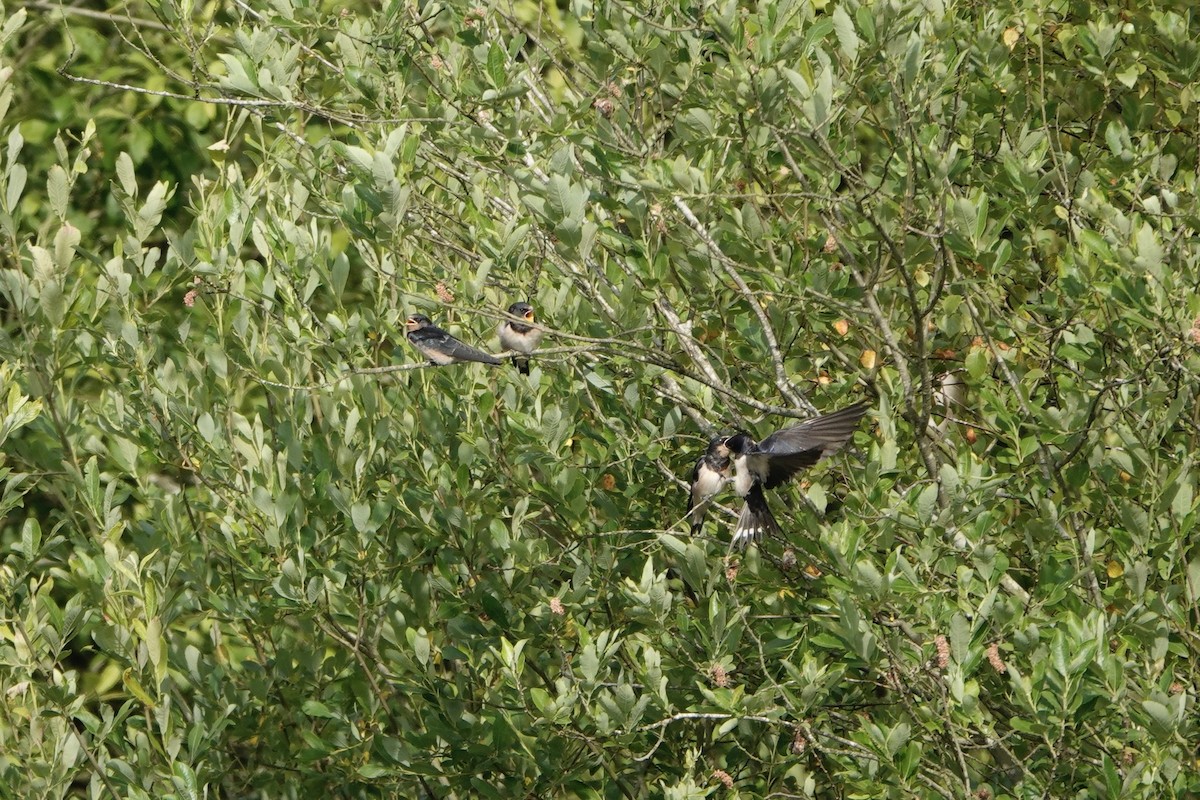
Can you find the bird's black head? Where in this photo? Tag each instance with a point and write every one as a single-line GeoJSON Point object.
{"type": "Point", "coordinates": [739, 443]}
{"type": "Point", "coordinates": [522, 310]}
{"type": "Point", "coordinates": [416, 322]}
{"type": "Point", "coordinates": [717, 448]}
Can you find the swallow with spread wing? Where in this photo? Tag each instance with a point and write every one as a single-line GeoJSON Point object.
{"type": "Point", "coordinates": [774, 460]}
{"type": "Point", "coordinates": [440, 347]}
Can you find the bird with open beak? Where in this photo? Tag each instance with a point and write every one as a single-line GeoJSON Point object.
{"type": "Point", "coordinates": [440, 347]}
{"type": "Point", "coordinates": [520, 337]}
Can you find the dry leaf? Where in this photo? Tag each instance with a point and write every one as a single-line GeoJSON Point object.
{"type": "Point", "coordinates": [1010, 37]}
{"type": "Point", "coordinates": [1115, 570]}
{"type": "Point", "coordinates": [867, 359]}
{"type": "Point", "coordinates": [842, 327]}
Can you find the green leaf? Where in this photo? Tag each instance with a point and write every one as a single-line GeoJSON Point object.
{"type": "Point", "coordinates": [977, 362]}
{"type": "Point", "coordinates": [57, 191]}
{"type": "Point", "coordinates": [125, 174]}
{"type": "Point", "coordinates": [927, 503]}
{"type": "Point", "coordinates": [360, 515]}
{"type": "Point", "coordinates": [565, 201]}
{"type": "Point", "coordinates": [589, 663]}
{"type": "Point", "coordinates": [1150, 252]}
{"type": "Point", "coordinates": [340, 272]}
{"type": "Point", "coordinates": [184, 779]}
{"type": "Point", "coordinates": [1184, 499]}
{"type": "Point", "coordinates": [315, 708]}
{"type": "Point", "coordinates": [1160, 715]}
{"type": "Point", "coordinates": [419, 640]}
{"type": "Point", "coordinates": [206, 427]}
{"type": "Point", "coordinates": [848, 39]}
{"type": "Point", "coordinates": [31, 538]}
{"type": "Point", "coordinates": [897, 738]}
{"type": "Point", "coordinates": [12, 25]}
{"type": "Point", "coordinates": [16, 185]}
{"type": "Point", "coordinates": [495, 65]}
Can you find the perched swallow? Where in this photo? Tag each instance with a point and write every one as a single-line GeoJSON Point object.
{"type": "Point", "coordinates": [440, 347]}
{"type": "Point", "coordinates": [711, 474]}
{"type": "Point", "coordinates": [774, 460]}
{"type": "Point", "coordinates": [518, 337]}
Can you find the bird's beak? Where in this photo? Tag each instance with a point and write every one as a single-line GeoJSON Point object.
{"type": "Point", "coordinates": [529, 315]}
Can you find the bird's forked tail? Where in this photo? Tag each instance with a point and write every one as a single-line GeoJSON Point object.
{"type": "Point", "coordinates": [755, 520]}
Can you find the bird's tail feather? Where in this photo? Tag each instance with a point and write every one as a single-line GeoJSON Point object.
{"type": "Point", "coordinates": [756, 519]}
{"type": "Point", "coordinates": [522, 364]}
{"type": "Point", "coordinates": [695, 512]}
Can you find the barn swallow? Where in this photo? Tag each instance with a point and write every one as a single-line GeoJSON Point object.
{"type": "Point", "coordinates": [709, 477]}
{"type": "Point", "coordinates": [774, 460]}
{"type": "Point", "coordinates": [518, 337]}
{"type": "Point", "coordinates": [440, 347]}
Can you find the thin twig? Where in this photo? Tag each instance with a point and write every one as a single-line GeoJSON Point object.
{"type": "Point", "coordinates": [781, 379]}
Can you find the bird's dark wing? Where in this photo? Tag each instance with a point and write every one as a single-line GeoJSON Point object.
{"type": "Point", "coordinates": [793, 449]}
{"type": "Point", "coordinates": [692, 485]}
{"type": "Point", "coordinates": [437, 339]}
{"type": "Point", "coordinates": [781, 467]}
{"type": "Point", "coordinates": [824, 434]}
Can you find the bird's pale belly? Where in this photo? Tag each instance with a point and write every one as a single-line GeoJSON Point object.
{"type": "Point", "coordinates": [744, 479]}
{"type": "Point", "coordinates": [709, 483]}
{"type": "Point", "coordinates": [436, 356]}
{"type": "Point", "coordinates": [520, 342]}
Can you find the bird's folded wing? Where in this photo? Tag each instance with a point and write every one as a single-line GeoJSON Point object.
{"type": "Point", "coordinates": [464, 352]}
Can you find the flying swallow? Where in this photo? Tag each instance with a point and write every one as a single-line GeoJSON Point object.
{"type": "Point", "coordinates": [774, 460]}
{"type": "Point", "coordinates": [440, 347]}
{"type": "Point", "coordinates": [710, 475]}
{"type": "Point", "coordinates": [519, 337]}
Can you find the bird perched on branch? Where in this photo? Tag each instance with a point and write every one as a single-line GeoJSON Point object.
{"type": "Point", "coordinates": [710, 475]}
{"type": "Point", "coordinates": [440, 347]}
{"type": "Point", "coordinates": [774, 460]}
{"type": "Point", "coordinates": [520, 337]}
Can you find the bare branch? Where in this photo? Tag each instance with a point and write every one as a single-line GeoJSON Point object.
{"type": "Point", "coordinates": [781, 379]}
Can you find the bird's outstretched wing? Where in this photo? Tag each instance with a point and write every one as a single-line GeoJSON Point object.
{"type": "Point", "coordinates": [781, 467]}
{"type": "Point", "coordinates": [826, 434]}
{"type": "Point", "coordinates": [796, 448]}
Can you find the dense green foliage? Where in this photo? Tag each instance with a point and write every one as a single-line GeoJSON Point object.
{"type": "Point", "coordinates": [254, 549]}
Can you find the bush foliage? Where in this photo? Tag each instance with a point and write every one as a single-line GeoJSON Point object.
{"type": "Point", "coordinates": [254, 548]}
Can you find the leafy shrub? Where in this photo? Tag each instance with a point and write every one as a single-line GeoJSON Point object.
{"type": "Point", "coordinates": [254, 549]}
